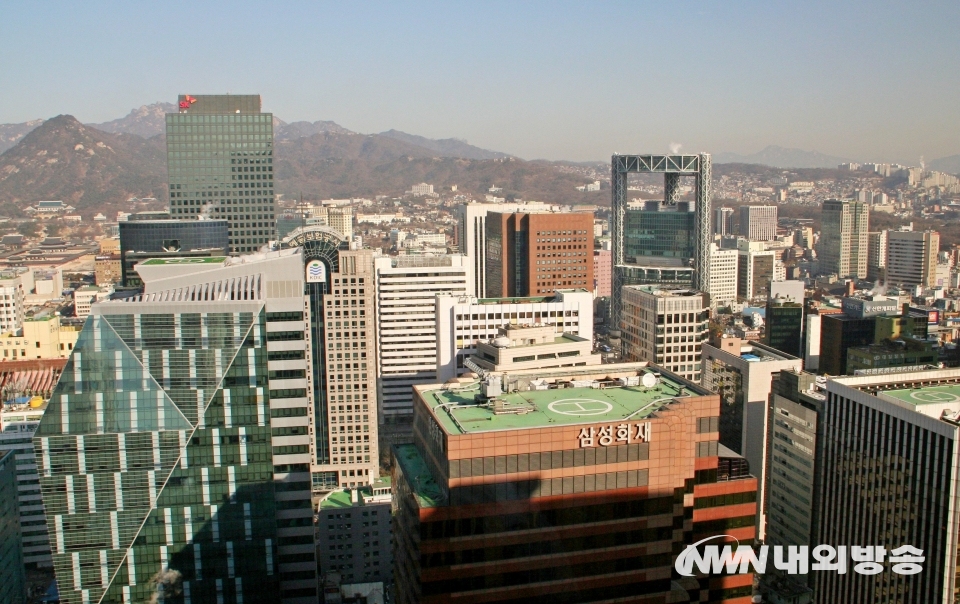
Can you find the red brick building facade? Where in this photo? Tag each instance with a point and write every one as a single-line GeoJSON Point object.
{"type": "Point", "coordinates": [537, 253]}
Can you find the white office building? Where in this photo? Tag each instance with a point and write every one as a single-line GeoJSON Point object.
{"type": "Point", "coordinates": [723, 275]}
{"type": "Point", "coordinates": [12, 295]}
{"type": "Point", "coordinates": [463, 321]}
{"type": "Point", "coordinates": [406, 289]}
{"type": "Point", "coordinates": [758, 223]}
{"type": "Point", "coordinates": [17, 424]}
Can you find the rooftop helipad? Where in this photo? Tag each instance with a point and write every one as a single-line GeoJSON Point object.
{"type": "Point", "coordinates": [459, 412]}
{"type": "Point", "coordinates": [927, 395]}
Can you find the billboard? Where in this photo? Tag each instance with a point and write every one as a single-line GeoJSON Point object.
{"type": "Point", "coordinates": [316, 272]}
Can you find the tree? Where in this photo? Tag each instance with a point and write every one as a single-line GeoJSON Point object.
{"type": "Point", "coordinates": [28, 228]}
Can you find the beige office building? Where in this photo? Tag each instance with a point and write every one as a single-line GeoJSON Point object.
{"type": "Point", "coordinates": [665, 327]}
{"type": "Point", "coordinates": [844, 239]}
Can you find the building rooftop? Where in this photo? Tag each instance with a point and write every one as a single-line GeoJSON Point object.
{"type": "Point", "coordinates": [459, 413]}
{"type": "Point", "coordinates": [428, 493]}
{"type": "Point", "coordinates": [925, 395]}
{"type": "Point", "coordinates": [191, 260]}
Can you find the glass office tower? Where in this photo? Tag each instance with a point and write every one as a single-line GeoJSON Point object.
{"type": "Point", "coordinates": [174, 456]}
{"type": "Point", "coordinates": [220, 164]}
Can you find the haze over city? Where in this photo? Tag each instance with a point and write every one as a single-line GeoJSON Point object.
{"type": "Point", "coordinates": [490, 302]}
{"type": "Point", "coordinates": [557, 80]}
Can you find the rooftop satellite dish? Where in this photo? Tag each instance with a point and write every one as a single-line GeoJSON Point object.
{"type": "Point", "coordinates": [649, 380]}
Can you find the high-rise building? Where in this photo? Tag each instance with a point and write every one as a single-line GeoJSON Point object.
{"type": "Point", "coordinates": [666, 327]}
{"type": "Point", "coordinates": [784, 325]}
{"type": "Point", "coordinates": [602, 273]}
{"type": "Point", "coordinates": [758, 223]}
{"type": "Point", "coordinates": [547, 494]}
{"type": "Point", "coordinates": [912, 257]}
{"type": "Point", "coordinates": [741, 372]}
{"type": "Point", "coordinates": [536, 253]}
{"type": "Point", "coordinates": [174, 455]}
{"type": "Point", "coordinates": [723, 275]}
{"type": "Point", "coordinates": [463, 321]}
{"type": "Point", "coordinates": [756, 269]}
{"type": "Point", "coordinates": [407, 288]}
{"type": "Point", "coordinates": [721, 221]}
{"type": "Point", "coordinates": [843, 238]}
{"type": "Point", "coordinates": [220, 164]}
{"type": "Point", "coordinates": [159, 236]}
{"type": "Point", "coordinates": [877, 256]}
{"type": "Point", "coordinates": [679, 272]}
{"type": "Point", "coordinates": [18, 421]}
{"type": "Point", "coordinates": [659, 245]}
{"type": "Point", "coordinates": [345, 373]}
{"type": "Point", "coordinates": [13, 588]}
{"type": "Point", "coordinates": [789, 475]}
{"type": "Point", "coordinates": [471, 236]}
{"type": "Point", "coordinates": [887, 476]}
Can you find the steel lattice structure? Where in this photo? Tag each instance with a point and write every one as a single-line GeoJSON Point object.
{"type": "Point", "coordinates": [673, 167]}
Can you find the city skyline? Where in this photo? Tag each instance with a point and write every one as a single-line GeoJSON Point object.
{"type": "Point", "coordinates": [765, 75]}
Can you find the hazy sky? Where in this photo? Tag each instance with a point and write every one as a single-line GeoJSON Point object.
{"type": "Point", "coordinates": [557, 80]}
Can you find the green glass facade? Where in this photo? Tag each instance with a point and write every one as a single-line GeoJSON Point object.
{"type": "Point", "coordinates": [156, 460]}
{"type": "Point", "coordinates": [660, 234]}
{"type": "Point", "coordinates": [12, 579]}
{"type": "Point", "coordinates": [220, 161]}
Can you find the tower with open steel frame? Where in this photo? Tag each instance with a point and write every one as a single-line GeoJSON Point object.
{"type": "Point", "coordinates": [673, 168]}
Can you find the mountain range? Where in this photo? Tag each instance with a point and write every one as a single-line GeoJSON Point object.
{"type": "Point", "coordinates": [780, 157]}
{"type": "Point", "coordinates": [97, 167]}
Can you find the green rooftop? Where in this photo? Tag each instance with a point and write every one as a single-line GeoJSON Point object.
{"type": "Point", "coordinates": [189, 260]}
{"type": "Point", "coordinates": [337, 499]}
{"type": "Point", "coordinates": [460, 414]}
{"type": "Point", "coordinates": [926, 395]}
{"type": "Point", "coordinates": [415, 472]}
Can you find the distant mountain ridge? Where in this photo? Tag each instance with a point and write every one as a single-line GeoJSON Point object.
{"type": "Point", "coordinates": [950, 164]}
{"type": "Point", "coordinates": [446, 147]}
{"type": "Point", "coordinates": [11, 134]}
{"type": "Point", "coordinates": [145, 121]}
{"type": "Point", "coordinates": [781, 157]}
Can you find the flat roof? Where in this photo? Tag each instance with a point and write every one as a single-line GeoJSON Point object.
{"type": "Point", "coordinates": [186, 260]}
{"type": "Point", "coordinates": [418, 477]}
{"type": "Point", "coordinates": [458, 413]}
{"type": "Point", "coordinates": [927, 395]}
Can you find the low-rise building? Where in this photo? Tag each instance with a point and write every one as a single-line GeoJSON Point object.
{"type": "Point", "coordinates": [354, 534]}
{"type": "Point", "coordinates": [108, 269]}
{"type": "Point", "coordinates": [520, 348]}
{"type": "Point", "coordinates": [84, 298]}
{"type": "Point", "coordinates": [40, 338]}
{"type": "Point", "coordinates": [463, 321]}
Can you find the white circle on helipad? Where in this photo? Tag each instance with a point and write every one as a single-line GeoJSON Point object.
{"type": "Point", "coordinates": [579, 406]}
{"type": "Point", "coordinates": [934, 396]}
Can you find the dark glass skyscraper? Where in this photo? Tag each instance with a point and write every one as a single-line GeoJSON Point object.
{"type": "Point", "coordinates": [161, 238]}
{"type": "Point", "coordinates": [220, 163]}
